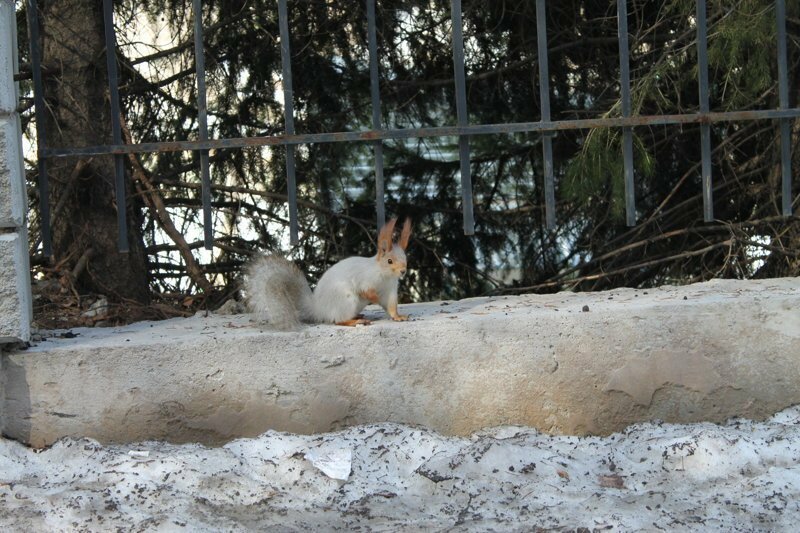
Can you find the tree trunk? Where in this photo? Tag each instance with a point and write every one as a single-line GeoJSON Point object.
{"type": "Point", "coordinates": [78, 114]}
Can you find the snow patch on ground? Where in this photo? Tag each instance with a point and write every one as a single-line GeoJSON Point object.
{"type": "Point", "coordinates": [743, 476]}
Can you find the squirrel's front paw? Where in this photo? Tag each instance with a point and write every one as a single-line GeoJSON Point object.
{"type": "Point", "coordinates": [400, 318]}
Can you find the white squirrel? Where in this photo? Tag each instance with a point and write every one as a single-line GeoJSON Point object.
{"type": "Point", "coordinates": [278, 293]}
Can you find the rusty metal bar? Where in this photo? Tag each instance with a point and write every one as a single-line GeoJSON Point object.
{"type": "Point", "coordinates": [288, 113]}
{"type": "Point", "coordinates": [544, 97]}
{"type": "Point", "coordinates": [785, 124]}
{"type": "Point", "coordinates": [116, 129]}
{"type": "Point", "coordinates": [627, 131]}
{"type": "Point", "coordinates": [375, 96]}
{"type": "Point", "coordinates": [463, 117]}
{"type": "Point", "coordinates": [202, 122]}
{"type": "Point", "coordinates": [441, 131]}
{"type": "Point", "coordinates": [705, 129]}
{"type": "Point", "coordinates": [39, 110]}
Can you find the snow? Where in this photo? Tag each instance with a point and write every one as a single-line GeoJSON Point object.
{"type": "Point", "coordinates": [741, 476]}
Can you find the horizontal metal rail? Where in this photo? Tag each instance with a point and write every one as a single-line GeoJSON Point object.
{"type": "Point", "coordinates": [442, 131]}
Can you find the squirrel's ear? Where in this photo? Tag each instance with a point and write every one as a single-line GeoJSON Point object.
{"type": "Point", "coordinates": [385, 236]}
{"type": "Point", "coordinates": [405, 234]}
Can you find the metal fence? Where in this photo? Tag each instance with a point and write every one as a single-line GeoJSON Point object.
{"type": "Point", "coordinates": [378, 134]}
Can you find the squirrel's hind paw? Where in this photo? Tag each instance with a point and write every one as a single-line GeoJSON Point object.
{"type": "Point", "coordinates": [353, 322]}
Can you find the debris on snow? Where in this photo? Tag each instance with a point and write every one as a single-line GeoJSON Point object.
{"type": "Point", "coordinates": [741, 476]}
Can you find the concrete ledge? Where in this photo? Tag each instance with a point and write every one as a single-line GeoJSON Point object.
{"type": "Point", "coordinates": [15, 292]}
{"type": "Point", "coordinates": [562, 363]}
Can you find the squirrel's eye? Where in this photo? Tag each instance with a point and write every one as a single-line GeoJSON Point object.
{"type": "Point", "coordinates": [389, 261]}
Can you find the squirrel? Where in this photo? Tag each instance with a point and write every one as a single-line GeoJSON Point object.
{"type": "Point", "coordinates": [278, 293]}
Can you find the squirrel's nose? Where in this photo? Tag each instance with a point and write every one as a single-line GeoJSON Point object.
{"type": "Point", "coordinates": [403, 272]}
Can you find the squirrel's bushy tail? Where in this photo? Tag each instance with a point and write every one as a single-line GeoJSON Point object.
{"type": "Point", "coordinates": [277, 292]}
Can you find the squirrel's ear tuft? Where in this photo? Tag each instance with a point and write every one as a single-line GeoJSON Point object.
{"type": "Point", "coordinates": [385, 236]}
{"type": "Point", "coordinates": [405, 234]}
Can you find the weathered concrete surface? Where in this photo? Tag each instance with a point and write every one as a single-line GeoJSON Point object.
{"type": "Point", "coordinates": [8, 58]}
{"type": "Point", "coordinates": [15, 295]}
{"type": "Point", "coordinates": [12, 185]}
{"type": "Point", "coordinates": [15, 299]}
{"type": "Point", "coordinates": [682, 354]}
{"type": "Point", "coordinates": [12, 200]}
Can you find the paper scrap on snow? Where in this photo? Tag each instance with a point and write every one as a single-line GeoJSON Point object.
{"type": "Point", "coordinates": [335, 464]}
{"type": "Point", "coordinates": [139, 453]}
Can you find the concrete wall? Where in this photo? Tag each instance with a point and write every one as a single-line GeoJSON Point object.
{"type": "Point", "coordinates": [15, 292]}
{"type": "Point", "coordinates": [562, 363]}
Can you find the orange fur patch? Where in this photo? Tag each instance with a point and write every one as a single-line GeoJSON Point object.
{"type": "Point", "coordinates": [370, 295]}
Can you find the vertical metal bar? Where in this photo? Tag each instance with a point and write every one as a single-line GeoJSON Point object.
{"type": "Point", "coordinates": [705, 129]}
{"type": "Point", "coordinates": [375, 96]}
{"type": "Point", "coordinates": [39, 109]}
{"type": "Point", "coordinates": [785, 123]}
{"type": "Point", "coordinates": [202, 121]}
{"type": "Point", "coordinates": [627, 132]}
{"type": "Point", "coordinates": [288, 114]}
{"type": "Point", "coordinates": [116, 130]}
{"type": "Point", "coordinates": [544, 97]}
{"type": "Point", "coordinates": [463, 117]}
